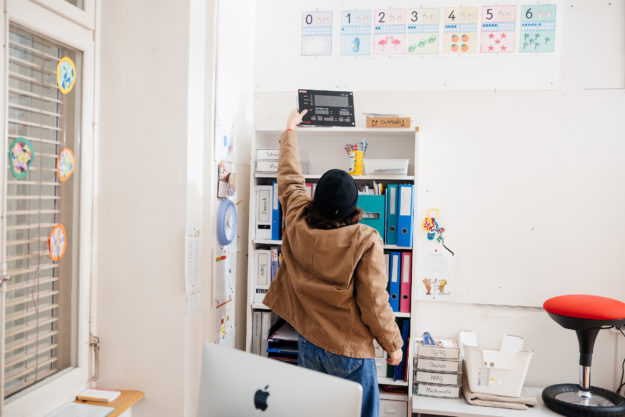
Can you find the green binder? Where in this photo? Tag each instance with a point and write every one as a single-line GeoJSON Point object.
{"type": "Point", "coordinates": [373, 206]}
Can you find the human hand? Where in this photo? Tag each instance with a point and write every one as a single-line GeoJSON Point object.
{"type": "Point", "coordinates": [295, 118]}
{"type": "Point", "coordinates": [395, 357]}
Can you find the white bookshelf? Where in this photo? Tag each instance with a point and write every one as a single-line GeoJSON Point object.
{"type": "Point", "coordinates": [322, 149]}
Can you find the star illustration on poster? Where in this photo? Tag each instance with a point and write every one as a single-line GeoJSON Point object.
{"type": "Point", "coordinates": [57, 242]}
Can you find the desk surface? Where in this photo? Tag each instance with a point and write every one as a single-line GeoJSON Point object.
{"type": "Point", "coordinates": [127, 399]}
{"type": "Point", "coordinates": [460, 408]}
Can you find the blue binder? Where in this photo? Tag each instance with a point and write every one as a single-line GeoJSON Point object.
{"type": "Point", "coordinates": [275, 213]}
{"type": "Point", "coordinates": [394, 281]}
{"type": "Point", "coordinates": [391, 215]}
{"type": "Point", "coordinates": [400, 370]}
{"type": "Point", "coordinates": [404, 219]}
{"type": "Point", "coordinates": [373, 206]}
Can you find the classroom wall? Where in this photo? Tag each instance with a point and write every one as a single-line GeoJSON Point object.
{"type": "Point", "coordinates": [518, 176]}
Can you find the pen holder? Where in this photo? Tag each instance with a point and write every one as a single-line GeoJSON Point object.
{"type": "Point", "coordinates": [356, 159]}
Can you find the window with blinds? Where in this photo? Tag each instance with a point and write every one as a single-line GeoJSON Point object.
{"type": "Point", "coordinates": [40, 310]}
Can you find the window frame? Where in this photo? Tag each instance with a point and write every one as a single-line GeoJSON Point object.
{"type": "Point", "coordinates": [49, 394]}
{"type": "Point", "coordinates": [84, 17]}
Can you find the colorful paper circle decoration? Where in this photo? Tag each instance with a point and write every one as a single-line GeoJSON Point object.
{"type": "Point", "coordinates": [65, 164]}
{"type": "Point", "coordinates": [65, 75]}
{"type": "Point", "coordinates": [21, 155]}
{"type": "Point", "coordinates": [57, 242]}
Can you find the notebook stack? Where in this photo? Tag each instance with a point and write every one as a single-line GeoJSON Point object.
{"type": "Point", "coordinates": [438, 369]}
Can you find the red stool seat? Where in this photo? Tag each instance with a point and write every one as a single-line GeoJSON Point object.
{"type": "Point", "coordinates": [591, 307]}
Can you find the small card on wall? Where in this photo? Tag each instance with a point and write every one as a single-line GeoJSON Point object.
{"type": "Point", "coordinates": [436, 273]}
{"type": "Point", "coordinates": [317, 33]}
{"type": "Point", "coordinates": [389, 32]}
{"type": "Point", "coordinates": [460, 34]}
{"type": "Point", "coordinates": [355, 32]}
{"type": "Point", "coordinates": [538, 28]}
{"type": "Point", "coordinates": [498, 29]}
{"type": "Point", "coordinates": [422, 31]}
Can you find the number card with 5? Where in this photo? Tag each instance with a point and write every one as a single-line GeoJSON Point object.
{"type": "Point", "coordinates": [498, 29]}
{"type": "Point", "coordinates": [316, 33]}
{"type": "Point", "coordinates": [355, 32]}
{"type": "Point", "coordinates": [389, 32]}
{"type": "Point", "coordinates": [460, 34]}
{"type": "Point", "coordinates": [422, 31]}
{"type": "Point", "coordinates": [538, 28]}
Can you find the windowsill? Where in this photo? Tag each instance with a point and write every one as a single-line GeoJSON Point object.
{"type": "Point", "coordinates": [127, 399]}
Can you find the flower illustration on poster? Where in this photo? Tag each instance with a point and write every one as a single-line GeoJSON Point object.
{"type": "Point", "coordinates": [57, 242]}
{"type": "Point", "coordinates": [65, 164]}
{"type": "Point", "coordinates": [21, 155]}
{"type": "Point", "coordinates": [65, 75]}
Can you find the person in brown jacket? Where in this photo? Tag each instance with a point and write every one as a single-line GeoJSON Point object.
{"type": "Point", "coordinates": [331, 286]}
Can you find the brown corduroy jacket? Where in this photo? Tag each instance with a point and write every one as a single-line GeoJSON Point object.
{"type": "Point", "coordinates": [331, 286]}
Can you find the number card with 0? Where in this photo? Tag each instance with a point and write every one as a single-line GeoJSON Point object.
{"type": "Point", "coordinates": [317, 33]}
{"type": "Point", "coordinates": [498, 29]}
{"type": "Point", "coordinates": [422, 31]}
{"type": "Point", "coordinates": [460, 34]}
{"type": "Point", "coordinates": [389, 32]}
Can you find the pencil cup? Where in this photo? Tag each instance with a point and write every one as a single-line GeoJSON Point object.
{"type": "Point", "coordinates": [356, 159]}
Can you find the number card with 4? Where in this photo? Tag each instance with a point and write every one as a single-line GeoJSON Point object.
{"type": "Point", "coordinates": [422, 28]}
{"type": "Point", "coordinates": [460, 34]}
{"type": "Point", "coordinates": [355, 32]}
{"type": "Point", "coordinates": [317, 33]}
{"type": "Point", "coordinates": [538, 28]}
{"type": "Point", "coordinates": [498, 29]}
{"type": "Point", "coordinates": [389, 32]}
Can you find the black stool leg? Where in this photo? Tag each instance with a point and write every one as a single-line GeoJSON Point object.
{"type": "Point", "coordinates": [586, 338]}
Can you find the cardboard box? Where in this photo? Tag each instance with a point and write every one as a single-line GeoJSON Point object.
{"type": "Point", "coordinates": [436, 378]}
{"type": "Point", "coordinates": [437, 365]}
{"type": "Point", "coordinates": [268, 154]}
{"type": "Point", "coordinates": [266, 166]}
{"type": "Point", "coordinates": [442, 391]}
{"type": "Point", "coordinates": [390, 408]}
{"type": "Point", "coordinates": [436, 352]}
{"type": "Point", "coordinates": [386, 122]}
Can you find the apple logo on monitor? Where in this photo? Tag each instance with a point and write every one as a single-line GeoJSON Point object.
{"type": "Point", "coordinates": [260, 399]}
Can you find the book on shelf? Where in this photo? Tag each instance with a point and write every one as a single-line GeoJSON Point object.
{"type": "Point", "coordinates": [98, 395]}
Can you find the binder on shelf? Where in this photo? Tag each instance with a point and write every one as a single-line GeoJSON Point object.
{"type": "Point", "coordinates": [406, 281]}
{"type": "Point", "coordinates": [263, 277]}
{"type": "Point", "coordinates": [268, 320]}
{"type": "Point", "coordinates": [387, 265]}
{"type": "Point", "coordinates": [394, 288]}
{"type": "Point", "coordinates": [391, 215]}
{"type": "Point", "coordinates": [275, 262]}
{"type": "Point", "coordinates": [373, 207]}
{"type": "Point", "coordinates": [275, 213]}
{"type": "Point", "coordinates": [404, 219]}
{"type": "Point", "coordinates": [400, 370]}
{"type": "Point", "coordinates": [263, 211]}
{"type": "Point", "coordinates": [309, 188]}
{"type": "Point", "coordinates": [256, 331]}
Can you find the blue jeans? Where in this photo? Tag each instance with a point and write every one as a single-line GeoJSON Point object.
{"type": "Point", "coordinates": [354, 369]}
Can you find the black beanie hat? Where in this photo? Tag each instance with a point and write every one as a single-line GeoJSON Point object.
{"type": "Point", "coordinates": [336, 194]}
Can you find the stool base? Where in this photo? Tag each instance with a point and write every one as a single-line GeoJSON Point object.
{"type": "Point", "coordinates": [570, 400]}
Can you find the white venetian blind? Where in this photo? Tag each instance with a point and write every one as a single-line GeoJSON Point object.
{"type": "Point", "coordinates": [40, 308]}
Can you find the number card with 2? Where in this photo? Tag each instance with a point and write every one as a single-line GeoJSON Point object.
{"type": "Point", "coordinates": [317, 33]}
{"type": "Point", "coordinates": [460, 34]}
{"type": "Point", "coordinates": [498, 29]}
{"type": "Point", "coordinates": [389, 32]}
{"type": "Point", "coordinates": [538, 28]}
{"type": "Point", "coordinates": [422, 28]}
{"type": "Point", "coordinates": [355, 32]}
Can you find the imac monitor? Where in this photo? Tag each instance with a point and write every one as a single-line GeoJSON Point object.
{"type": "Point", "coordinates": [235, 383]}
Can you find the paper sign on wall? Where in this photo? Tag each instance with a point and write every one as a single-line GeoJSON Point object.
{"type": "Point", "coordinates": [538, 28]}
{"type": "Point", "coordinates": [436, 273]}
{"type": "Point", "coordinates": [422, 31]}
{"type": "Point", "coordinates": [460, 35]}
{"type": "Point", "coordinates": [389, 32]}
{"type": "Point", "coordinates": [355, 32]}
{"type": "Point", "coordinates": [317, 33]}
{"type": "Point", "coordinates": [498, 29]}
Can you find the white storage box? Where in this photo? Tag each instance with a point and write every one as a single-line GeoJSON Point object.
{"type": "Point", "coordinates": [436, 365]}
{"type": "Point", "coordinates": [386, 166]}
{"type": "Point", "coordinates": [495, 371]}
{"type": "Point", "coordinates": [390, 408]}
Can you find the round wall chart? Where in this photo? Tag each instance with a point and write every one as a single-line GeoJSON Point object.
{"type": "Point", "coordinates": [65, 164]}
{"type": "Point", "coordinates": [65, 75]}
{"type": "Point", "coordinates": [57, 242]}
{"type": "Point", "coordinates": [21, 155]}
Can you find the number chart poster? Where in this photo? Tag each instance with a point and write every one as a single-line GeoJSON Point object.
{"type": "Point", "coordinates": [389, 34]}
{"type": "Point", "coordinates": [355, 32]}
{"type": "Point", "coordinates": [317, 33]}
{"type": "Point", "coordinates": [460, 35]}
{"type": "Point", "coordinates": [422, 31]}
{"type": "Point", "coordinates": [498, 29]}
{"type": "Point", "coordinates": [538, 28]}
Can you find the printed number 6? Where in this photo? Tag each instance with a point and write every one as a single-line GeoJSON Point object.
{"type": "Point", "coordinates": [529, 14]}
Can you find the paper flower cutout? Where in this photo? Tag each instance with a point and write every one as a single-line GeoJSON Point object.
{"type": "Point", "coordinates": [21, 155]}
{"type": "Point", "coordinates": [65, 164]}
{"type": "Point", "coordinates": [65, 75]}
{"type": "Point", "coordinates": [57, 242]}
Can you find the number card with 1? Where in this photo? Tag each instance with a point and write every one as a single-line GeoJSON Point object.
{"type": "Point", "coordinates": [317, 33]}
{"type": "Point", "coordinates": [389, 34]}
{"type": "Point", "coordinates": [538, 28]}
{"type": "Point", "coordinates": [423, 27]}
{"type": "Point", "coordinates": [460, 34]}
{"type": "Point", "coordinates": [355, 32]}
{"type": "Point", "coordinates": [498, 29]}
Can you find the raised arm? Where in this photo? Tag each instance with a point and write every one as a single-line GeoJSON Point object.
{"type": "Point", "coordinates": [291, 183]}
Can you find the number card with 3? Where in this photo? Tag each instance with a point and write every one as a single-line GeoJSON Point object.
{"type": "Point", "coordinates": [389, 32]}
{"type": "Point", "coordinates": [422, 31]}
{"type": "Point", "coordinates": [317, 33]}
{"type": "Point", "coordinates": [498, 29]}
{"type": "Point", "coordinates": [538, 28]}
{"type": "Point", "coordinates": [460, 34]}
{"type": "Point", "coordinates": [355, 32]}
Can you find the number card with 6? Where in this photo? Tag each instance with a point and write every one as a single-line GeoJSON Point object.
{"type": "Point", "coordinates": [498, 29]}
{"type": "Point", "coordinates": [423, 27]}
{"type": "Point", "coordinates": [317, 33]}
{"type": "Point", "coordinates": [389, 32]}
{"type": "Point", "coordinates": [460, 34]}
{"type": "Point", "coordinates": [355, 32]}
{"type": "Point", "coordinates": [538, 28]}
